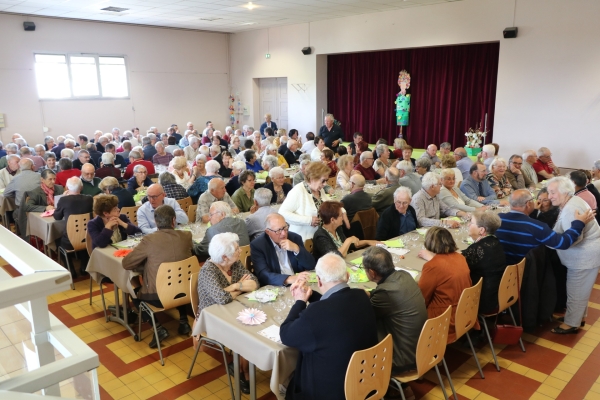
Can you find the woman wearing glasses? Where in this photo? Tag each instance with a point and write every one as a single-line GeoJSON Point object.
{"type": "Point", "coordinates": [300, 207]}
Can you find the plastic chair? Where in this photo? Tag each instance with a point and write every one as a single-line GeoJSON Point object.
{"type": "Point", "coordinates": [172, 285]}
{"type": "Point", "coordinates": [244, 252]}
{"type": "Point", "coordinates": [370, 370]}
{"type": "Point", "coordinates": [131, 213]}
{"type": "Point", "coordinates": [508, 294]}
{"type": "Point", "coordinates": [308, 244]}
{"type": "Point", "coordinates": [191, 213]}
{"type": "Point", "coordinates": [76, 232]}
{"type": "Point", "coordinates": [204, 340]}
{"type": "Point", "coordinates": [332, 182]}
{"type": "Point", "coordinates": [185, 203]}
{"type": "Point", "coordinates": [88, 245]}
{"type": "Point", "coordinates": [430, 351]}
{"type": "Point", "coordinates": [368, 222]}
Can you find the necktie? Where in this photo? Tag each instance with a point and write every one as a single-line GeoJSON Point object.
{"type": "Point", "coordinates": [481, 188]}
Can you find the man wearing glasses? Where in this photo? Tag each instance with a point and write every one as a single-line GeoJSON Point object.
{"type": "Point", "coordinates": [544, 166]}
{"type": "Point", "coordinates": [516, 177]}
{"type": "Point", "coordinates": [278, 255]}
{"type": "Point", "coordinates": [399, 218]}
{"type": "Point", "coordinates": [156, 198]}
{"type": "Point", "coordinates": [366, 168]}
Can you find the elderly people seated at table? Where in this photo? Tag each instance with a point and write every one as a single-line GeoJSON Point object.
{"type": "Point", "coordinates": [300, 206]}
{"type": "Point", "coordinates": [182, 173]}
{"type": "Point", "coordinates": [226, 162]}
{"type": "Point", "coordinates": [223, 278]}
{"type": "Point", "coordinates": [452, 196]}
{"type": "Point", "coordinates": [515, 175]}
{"type": "Point", "coordinates": [292, 153]}
{"type": "Point", "coordinates": [444, 276]}
{"type": "Point", "coordinates": [243, 198]}
{"type": "Point", "coordinates": [156, 197]}
{"type": "Point", "coordinates": [383, 161]}
{"type": "Point", "coordinates": [485, 258]}
{"type": "Point", "coordinates": [299, 176]}
{"type": "Point", "coordinates": [366, 168]}
{"type": "Point", "coordinates": [544, 210]}
{"type": "Point", "coordinates": [408, 176]}
{"type": "Point", "coordinates": [10, 148]}
{"type": "Point", "coordinates": [164, 244]}
{"type": "Point", "coordinates": [74, 202]}
{"type": "Point", "coordinates": [346, 170]}
{"type": "Point", "coordinates": [428, 206]}
{"type": "Point", "coordinates": [83, 157]}
{"type": "Point", "coordinates": [399, 307]}
{"type": "Point", "coordinates": [25, 181]}
{"type": "Point", "coordinates": [498, 180]}
{"type": "Point", "coordinates": [66, 171]}
{"type": "Point", "coordinates": [330, 237]}
{"type": "Point", "coordinates": [89, 180]}
{"type": "Point", "coordinates": [161, 157]}
{"type": "Point", "coordinates": [463, 162]}
{"type": "Point", "coordinates": [327, 332]}
{"type": "Point", "coordinates": [278, 187]}
{"type": "Point", "coordinates": [327, 158]}
{"type": "Point", "coordinates": [234, 183]}
{"type": "Point", "coordinates": [422, 166]}
{"type": "Point", "coordinates": [110, 185]}
{"type": "Point", "coordinates": [200, 185]}
{"type": "Point", "coordinates": [357, 200]}
{"type": "Point", "coordinates": [449, 162]}
{"type": "Point", "coordinates": [279, 256]}
{"type": "Point", "coordinates": [315, 154]}
{"type": "Point", "coordinates": [252, 163]}
{"type": "Point", "coordinates": [476, 186]}
{"type": "Point", "coordinates": [582, 259]}
{"type": "Point", "coordinates": [216, 192]}
{"type": "Point", "coordinates": [399, 218]}
{"type": "Point", "coordinates": [139, 181]}
{"type": "Point", "coordinates": [109, 226]}
{"type": "Point", "coordinates": [171, 187]}
{"type": "Point", "coordinates": [107, 167]}
{"type": "Point", "coordinates": [42, 198]}
{"type": "Point", "coordinates": [268, 162]}
{"type": "Point", "coordinates": [222, 220]}
{"type": "Point", "coordinates": [12, 169]}
{"type": "Point", "coordinates": [385, 197]}
{"type": "Point", "coordinates": [50, 163]}
{"type": "Point", "coordinates": [256, 222]}
{"type": "Point", "coordinates": [580, 181]}
{"type": "Point", "coordinates": [431, 155]}
{"type": "Point", "coordinates": [135, 158]}
{"type": "Point", "coordinates": [272, 151]}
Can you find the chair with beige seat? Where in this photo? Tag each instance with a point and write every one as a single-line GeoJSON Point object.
{"type": "Point", "coordinates": [369, 371]}
{"type": "Point", "coordinates": [131, 213]}
{"type": "Point", "coordinates": [76, 232]}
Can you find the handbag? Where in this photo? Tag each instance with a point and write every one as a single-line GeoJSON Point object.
{"type": "Point", "coordinates": [506, 333]}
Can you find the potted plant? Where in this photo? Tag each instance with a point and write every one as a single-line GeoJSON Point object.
{"type": "Point", "coordinates": [474, 140]}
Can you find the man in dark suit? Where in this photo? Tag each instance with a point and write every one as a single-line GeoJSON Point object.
{"type": "Point", "coordinates": [278, 255]}
{"type": "Point", "coordinates": [292, 153]}
{"type": "Point", "coordinates": [358, 199]}
{"type": "Point", "coordinates": [327, 332]}
{"type": "Point", "coordinates": [385, 197]}
{"type": "Point", "coordinates": [73, 202]}
{"type": "Point", "coordinates": [149, 149]}
{"type": "Point", "coordinates": [331, 133]}
{"type": "Point", "coordinates": [268, 124]}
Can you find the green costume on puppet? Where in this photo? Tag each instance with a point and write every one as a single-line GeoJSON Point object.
{"type": "Point", "coordinates": [403, 100]}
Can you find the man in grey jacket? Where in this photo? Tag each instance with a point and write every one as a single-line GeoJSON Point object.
{"type": "Point", "coordinates": [221, 221]}
{"type": "Point", "coordinates": [385, 197]}
{"type": "Point", "coordinates": [407, 176]}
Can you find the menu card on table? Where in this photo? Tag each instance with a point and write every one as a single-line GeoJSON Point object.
{"type": "Point", "coordinates": [271, 332]}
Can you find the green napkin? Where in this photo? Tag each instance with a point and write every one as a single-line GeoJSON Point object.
{"type": "Point", "coordinates": [357, 261]}
{"type": "Point", "coordinates": [412, 272]}
{"type": "Point", "coordinates": [422, 231]}
{"type": "Point", "coordinates": [262, 175]}
{"type": "Point", "coordinates": [394, 243]}
{"type": "Point", "coordinates": [266, 295]}
{"type": "Point", "coordinates": [312, 277]}
{"type": "Point", "coordinates": [125, 244]}
{"type": "Point", "coordinates": [452, 219]}
{"type": "Point", "coordinates": [358, 276]}
{"type": "Point", "coordinates": [183, 228]}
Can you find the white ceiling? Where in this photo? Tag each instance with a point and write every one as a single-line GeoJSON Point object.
{"type": "Point", "coordinates": [228, 15]}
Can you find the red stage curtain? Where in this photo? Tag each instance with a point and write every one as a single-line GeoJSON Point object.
{"type": "Point", "coordinates": [451, 88]}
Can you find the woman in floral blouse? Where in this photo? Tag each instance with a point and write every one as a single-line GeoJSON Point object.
{"type": "Point", "coordinates": [498, 180]}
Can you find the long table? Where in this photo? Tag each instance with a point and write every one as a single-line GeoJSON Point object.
{"type": "Point", "coordinates": [6, 204]}
{"type": "Point", "coordinates": [46, 228]}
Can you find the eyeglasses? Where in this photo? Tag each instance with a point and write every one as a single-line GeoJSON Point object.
{"type": "Point", "coordinates": [156, 196]}
{"type": "Point", "coordinates": [211, 214]}
{"type": "Point", "coordinates": [142, 172]}
{"type": "Point", "coordinates": [278, 231]}
{"type": "Point", "coordinates": [402, 203]}
{"type": "Point", "coordinates": [517, 163]}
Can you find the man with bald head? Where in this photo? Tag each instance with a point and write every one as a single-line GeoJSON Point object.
{"type": "Point", "coordinates": [156, 197]}
{"type": "Point", "coordinates": [278, 255]}
{"type": "Point", "coordinates": [519, 233]}
{"type": "Point", "coordinates": [358, 199]}
{"type": "Point", "coordinates": [216, 192]}
{"type": "Point", "coordinates": [89, 180]}
{"type": "Point", "coordinates": [385, 197]}
{"type": "Point", "coordinates": [431, 154]}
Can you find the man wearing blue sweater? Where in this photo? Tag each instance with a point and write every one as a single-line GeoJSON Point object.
{"type": "Point", "coordinates": [519, 233]}
{"type": "Point", "coordinates": [477, 188]}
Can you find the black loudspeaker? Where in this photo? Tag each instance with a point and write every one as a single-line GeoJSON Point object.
{"type": "Point", "coordinates": [306, 51]}
{"type": "Point", "coordinates": [29, 26]}
{"type": "Point", "coordinates": [511, 33]}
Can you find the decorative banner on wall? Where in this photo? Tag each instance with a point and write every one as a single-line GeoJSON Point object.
{"type": "Point", "coordinates": [402, 100]}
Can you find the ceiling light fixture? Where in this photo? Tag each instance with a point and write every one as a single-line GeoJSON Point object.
{"type": "Point", "coordinates": [114, 9]}
{"type": "Point", "coordinates": [250, 6]}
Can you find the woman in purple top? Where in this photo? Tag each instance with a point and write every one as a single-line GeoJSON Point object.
{"type": "Point", "coordinates": [109, 226]}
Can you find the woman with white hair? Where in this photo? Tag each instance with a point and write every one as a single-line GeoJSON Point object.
{"type": "Point", "coordinates": [498, 180]}
{"type": "Point", "coordinates": [383, 161]}
{"type": "Point", "coordinates": [453, 197]}
{"type": "Point", "coordinates": [234, 148]}
{"type": "Point", "coordinates": [346, 170]}
{"type": "Point", "coordinates": [223, 278]}
{"type": "Point", "coordinates": [278, 186]}
{"type": "Point", "coordinates": [207, 135]}
{"type": "Point", "coordinates": [192, 150]}
{"type": "Point", "coordinates": [268, 162]}
{"type": "Point", "coordinates": [582, 259]}
{"type": "Point", "coordinates": [272, 151]}
{"type": "Point", "coordinates": [181, 172]}
{"type": "Point", "coordinates": [200, 185]}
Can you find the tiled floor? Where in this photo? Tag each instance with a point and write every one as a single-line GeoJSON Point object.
{"type": "Point", "coordinates": [554, 366]}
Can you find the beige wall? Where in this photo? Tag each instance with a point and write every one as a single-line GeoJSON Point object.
{"type": "Point", "coordinates": [548, 77]}
{"type": "Point", "coordinates": [174, 76]}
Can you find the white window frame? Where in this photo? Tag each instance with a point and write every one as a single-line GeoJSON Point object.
{"type": "Point", "coordinates": [97, 59]}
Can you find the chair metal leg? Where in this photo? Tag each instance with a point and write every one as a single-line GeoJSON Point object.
{"type": "Point", "coordinates": [398, 386]}
{"type": "Point", "coordinates": [194, 360]}
{"type": "Point", "coordinates": [487, 333]}
{"type": "Point", "coordinates": [162, 362]}
{"type": "Point", "coordinates": [515, 323]}
{"type": "Point", "coordinates": [103, 302]}
{"type": "Point", "coordinates": [141, 311]}
{"type": "Point", "coordinates": [449, 379]}
{"type": "Point", "coordinates": [91, 290]}
{"type": "Point", "coordinates": [61, 250]}
{"type": "Point", "coordinates": [475, 355]}
{"type": "Point", "coordinates": [437, 371]}
{"type": "Point", "coordinates": [213, 344]}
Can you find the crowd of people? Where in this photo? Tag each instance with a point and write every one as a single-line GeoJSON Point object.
{"type": "Point", "coordinates": [220, 173]}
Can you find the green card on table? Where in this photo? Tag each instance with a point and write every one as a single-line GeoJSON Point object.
{"type": "Point", "coordinates": [396, 243]}
{"type": "Point", "coordinates": [452, 219]}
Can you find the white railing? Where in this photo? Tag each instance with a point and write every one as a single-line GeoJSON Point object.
{"type": "Point", "coordinates": [41, 277]}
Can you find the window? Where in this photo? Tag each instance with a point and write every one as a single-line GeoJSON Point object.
{"type": "Point", "coordinates": [62, 76]}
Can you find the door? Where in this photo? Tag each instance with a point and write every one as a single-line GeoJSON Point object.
{"type": "Point", "coordinates": [273, 100]}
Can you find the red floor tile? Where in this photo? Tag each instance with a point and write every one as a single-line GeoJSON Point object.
{"type": "Point", "coordinates": [504, 384]}
{"type": "Point", "coordinates": [536, 357]}
{"type": "Point", "coordinates": [566, 340]}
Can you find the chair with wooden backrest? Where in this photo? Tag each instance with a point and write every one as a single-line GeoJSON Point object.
{"type": "Point", "coordinates": [308, 245]}
{"type": "Point", "coordinates": [203, 340]}
{"type": "Point", "coordinates": [288, 180]}
{"type": "Point", "coordinates": [153, 178]}
{"type": "Point", "coordinates": [521, 270]}
{"type": "Point", "coordinates": [508, 294]}
{"type": "Point", "coordinates": [173, 289]}
{"type": "Point", "coordinates": [332, 182]}
{"type": "Point", "coordinates": [185, 203]}
{"type": "Point", "coordinates": [191, 213]}
{"type": "Point", "coordinates": [76, 232]}
{"type": "Point", "coordinates": [370, 370]}
{"type": "Point", "coordinates": [368, 222]}
{"type": "Point", "coordinates": [131, 213]}
{"type": "Point", "coordinates": [430, 351]}
{"type": "Point", "coordinates": [244, 252]}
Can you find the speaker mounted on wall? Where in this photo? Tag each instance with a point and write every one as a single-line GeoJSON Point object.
{"type": "Point", "coordinates": [306, 51]}
{"type": "Point", "coordinates": [511, 33]}
{"type": "Point", "coordinates": [29, 26]}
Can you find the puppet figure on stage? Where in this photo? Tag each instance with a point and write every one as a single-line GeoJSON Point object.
{"type": "Point", "coordinates": [402, 100]}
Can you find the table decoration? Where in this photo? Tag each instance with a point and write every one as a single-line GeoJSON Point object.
{"type": "Point", "coordinates": [251, 316]}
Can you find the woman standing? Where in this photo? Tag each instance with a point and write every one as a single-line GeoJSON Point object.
{"type": "Point", "coordinates": [582, 259]}
{"type": "Point", "coordinates": [244, 196]}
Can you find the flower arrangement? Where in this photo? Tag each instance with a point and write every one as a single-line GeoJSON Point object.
{"type": "Point", "coordinates": [475, 137]}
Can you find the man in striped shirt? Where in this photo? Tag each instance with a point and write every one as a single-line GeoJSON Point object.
{"type": "Point", "coordinates": [519, 233]}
